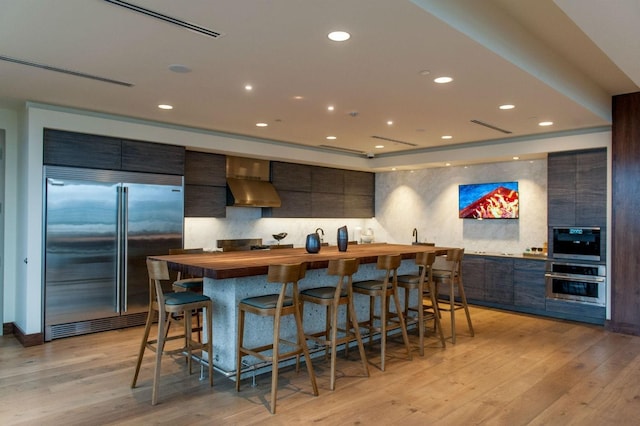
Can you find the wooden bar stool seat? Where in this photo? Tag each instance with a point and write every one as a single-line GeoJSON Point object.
{"type": "Point", "coordinates": [384, 289]}
{"type": "Point", "coordinates": [422, 283]}
{"type": "Point", "coordinates": [169, 306]}
{"type": "Point", "coordinates": [332, 298]}
{"type": "Point", "coordinates": [192, 284]}
{"type": "Point", "coordinates": [276, 305]}
{"type": "Point", "coordinates": [448, 272]}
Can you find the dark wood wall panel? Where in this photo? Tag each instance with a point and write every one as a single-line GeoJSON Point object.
{"type": "Point", "coordinates": [625, 268]}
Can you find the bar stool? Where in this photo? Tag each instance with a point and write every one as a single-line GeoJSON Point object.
{"type": "Point", "coordinates": [193, 284]}
{"type": "Point", "coordinates": [332, 298]}
{"type": "Point", "coordinates": [384, 289]}
{"type": "Point", "coordinates": [448, 271]}
{"type": "Point", "coordinates": [423, 283]}
{"type": "Point", "coordinates": [167, 305]}
{"type": "Point", "coordinates": [189, 283]}
{"type": "Point", "coordinates": [277, 306]}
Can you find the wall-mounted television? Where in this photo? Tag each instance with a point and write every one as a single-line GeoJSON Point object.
{"type": "Point", "coordinates": [496, 200]}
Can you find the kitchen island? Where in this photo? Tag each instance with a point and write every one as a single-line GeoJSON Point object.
{"type": "Point", "coordinates": [232, 276]}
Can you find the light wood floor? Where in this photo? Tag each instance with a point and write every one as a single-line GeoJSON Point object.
{"type": "Point", "coordinates": [517, 370]}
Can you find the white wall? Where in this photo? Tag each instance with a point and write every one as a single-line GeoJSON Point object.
{"type": "Point", "coordinates": [428, 200]}
{"type": "Point", "coordinates": [427, 204]}
{"type": "Point", "coordinates": [9, 123]}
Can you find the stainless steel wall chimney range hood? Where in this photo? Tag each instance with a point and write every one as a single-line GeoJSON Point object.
{"type": "Point", "coordinates": [248, 183]}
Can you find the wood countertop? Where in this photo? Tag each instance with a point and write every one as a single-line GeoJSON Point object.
{"type": "Point", "coordinates": [222, 265]}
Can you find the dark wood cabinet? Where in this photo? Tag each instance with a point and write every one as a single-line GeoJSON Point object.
{"type": "Point", "coordinates": [359, 183]}
{"type": "Point", "coordinates": [473, 268]}
{"type": "Point", "coordinates": [561, 189]}
{"type": "Point", "coordinates": [591, 188]}
{"type": "Point", "coordinates": [62, 148]}
{"type": "Point", "coordinates": [324, 204]}
{"type": "Point", "coordinates": [529, 284]}
{"type": "Point", "coordinates": [205, 201]}
{"type": "Point", "coordinates": [203, 168]}
{"type": "Point", "coordinates": [321, 192]}
{"type": "Point", "coordinates": [498, 280]}
{"type": "Point", "coordinates": [149, 157]}
{"type": "Point", "coordinates": [205, 189]}
{"type": "Point", "coordinates": [294, 204]}
{"type": "Point", "coordinates": [327, 180]}
{"type": "Point", "coordinates": [577, 188]}
{"type": "Point", "coordinates": [291, 176]}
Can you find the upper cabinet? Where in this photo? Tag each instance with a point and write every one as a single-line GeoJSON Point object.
{"type": "Point", "coordinates": [63, 148]}
{"type": "Point", "coordinates": [321, 192]}
{"type": "Point", "coordinates": [577, 188]}
{"type": "Point", "coordinates": [205, 185]}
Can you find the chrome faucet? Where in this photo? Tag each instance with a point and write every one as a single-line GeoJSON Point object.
{"type": "Point", "coordinates": [321, 233]}
{"type": "Point", "coordinates": [415, 234]}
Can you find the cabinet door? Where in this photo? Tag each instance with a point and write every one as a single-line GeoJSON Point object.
{"type": "Point", "coordinates": [202, 168]}
{"type": "Point", "coordinates": [291, 176]}
{"type": "Point", "coordinates": [358, 206]}
{"type": "Point", "coordinates": [498, 275]}
{"type": "Point", "coordinates": [591, 188]}
{"type": "Point", "coordinates": [294, 204]}
{"type": "Point", "coordinates": [152, 157]}
{"type": "Point", "coordinates": [561, 189]}
{"type": "Point", "coordinates": [473, 277]}
{"type": "Point", "coordinates": [327, 180]}
{"type": "Point", "coordinates": [327, 205]}
{"type": "Point", "coordinates": [359, 183]}
{"type": "Point", "coordinates": [205, 201]}
{"type": "Point", "coordinates": [529, 283]}
{"type": "Point", "coordinates": [62, 148]}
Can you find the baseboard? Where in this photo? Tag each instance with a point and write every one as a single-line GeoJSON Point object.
{"type": "Point", "coordinates": [624, 328]}
{"type": "Point", "coordinates": [27, 339]}
{"type": "Point", "coordinates": [7, 328]}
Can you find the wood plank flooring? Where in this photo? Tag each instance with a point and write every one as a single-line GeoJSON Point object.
{"type": "Point", "coordinates": [517, 370]}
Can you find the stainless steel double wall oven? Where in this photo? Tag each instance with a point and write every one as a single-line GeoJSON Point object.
{"type": "Point", "coordinates": [576, 270]}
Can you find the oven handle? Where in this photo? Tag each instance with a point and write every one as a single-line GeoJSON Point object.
{"type": "Point", "coordinates": [584, 278]}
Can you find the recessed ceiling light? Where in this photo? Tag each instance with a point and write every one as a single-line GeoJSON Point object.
{"type": "Point", "coordinates": [297, 98]}
{"type": "Point", "coordinates": [379, 146]}
{"type": "Point", "coordinates": [330, 108]}
{"type": "Point", "coordinates": [516, 157]}
{"type": "Point", "coordinates": [339, 36]}
{"type": "Point", "coordinates": [393, 169]}
{"type": "Point", "coordinates": [332, 137]}
{"type": "Point", "coordinates": [165, 106]}
{"type": "Point", "coordinates": [545, 123]}
{"type": "Point", "coordinates": [424, 72]}
{"type": "Point", "coordinates": [446, 137]}
{"type": "Point", "coordinates": [248, 87]}
{"type": "Point", "coordinates": [261, 124]}
{"type": "Point", "coordinates": [442, 80]}
{"type": "Point", "coordinates": [507, 106]}
{"type": "Point", "coordinates": [389, 123]}
{"type": "Point", "coordinates": [182, 69]}
{"type": "Point", "coordinates": [447, 164]}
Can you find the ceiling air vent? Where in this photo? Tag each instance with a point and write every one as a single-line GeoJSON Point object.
{"type": "Point", "coordinates": [339, 148]}
{"type": "Point", "coordinates": [491, 126]}
{"type": "Point", "coordinates": [167, 18]}
{"type": "Point", "coordinates": [394, 140]}
{"type": "Point", "coordinates": [64, 71]}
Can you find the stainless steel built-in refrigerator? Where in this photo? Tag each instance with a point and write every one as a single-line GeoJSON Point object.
{"type": "Point", "coordinates": [100, 226]}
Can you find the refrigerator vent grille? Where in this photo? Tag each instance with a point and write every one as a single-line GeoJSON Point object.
{"type": "Point", "coordinates": [59, 331]}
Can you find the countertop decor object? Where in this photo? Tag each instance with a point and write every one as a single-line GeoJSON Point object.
{"type": "Point", "coordinates": [343, 238]}
{"type": "Point", "coordinates": [313, 243]}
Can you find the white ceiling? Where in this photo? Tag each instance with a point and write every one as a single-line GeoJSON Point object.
{"type": "Point", "coordinates": [527, 52]}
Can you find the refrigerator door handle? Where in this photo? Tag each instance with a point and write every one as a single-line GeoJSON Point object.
{"type": "Point", "coordinates": [119, 250]}
{"type": "Point", "coordinates": [125, 246]}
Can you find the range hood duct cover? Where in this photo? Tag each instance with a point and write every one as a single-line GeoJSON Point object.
{"type": "Point", "coordinates": [248, 183]}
